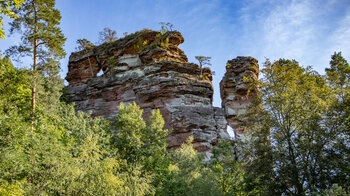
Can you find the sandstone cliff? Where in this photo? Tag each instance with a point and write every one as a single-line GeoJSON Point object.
{"type": "Point", "coordinates": [148, 68]}
{"type": "Point", "coordinates": [234, 88]}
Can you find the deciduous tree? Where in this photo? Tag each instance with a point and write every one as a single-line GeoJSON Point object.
{"type": "Point", "coordinates": [107, 35]}
{"type": "Point", "coordinates": [292, 110]}
{"type": "Point", "coordinates": [7, 8]}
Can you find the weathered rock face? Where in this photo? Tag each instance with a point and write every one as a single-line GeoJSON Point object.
{"type": "Point", "coordinates": [148, 68]}
{"type": "Point", "coordinates": [234, 89]}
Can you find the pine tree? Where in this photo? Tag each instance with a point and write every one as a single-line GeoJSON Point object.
{"type": "Point", "coordinates": [203, 61]}
{"type": "Point", "coordinates": [42, 40]}
{"type": "Point", "coordinates": [85, 45]}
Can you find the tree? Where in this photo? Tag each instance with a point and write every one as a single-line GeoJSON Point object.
{"type": "Point", "coordinates": [339, 72]}
{"type": "Point", "coordinates": [338, 120]}
{"type": "Point", "coordinates": [228, 170]}
{"type": "Point", "coordinates": [165, 27]}
{"type": "Point", "coordinates": [85, 45]}
{"type": "Point", "coordinates": [291, 111]}
{"type": "Point", "coordinates": [107, 35]}
{"type": "Point", "coordinates": [203, 61]}
{"type": "Point", "coordinates": [14, 88]}
{"type": "Point", "coordinates": [67, 155]}
{"type": "Point", "coordinates": [142, 147]}
{"type": "Point", "coordinates": [6, 8]}
{"type": "Point", "coordinates": [187, 174]}
{"type": "Point", "coordinates": [42, 39]}
{"type": "Point", "coordinates": [136, 139]}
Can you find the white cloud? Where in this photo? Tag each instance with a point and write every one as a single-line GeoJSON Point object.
{"type": "Point", "coordinates": [288, 29]}
{"type": "Point", "coordinates": [305, 30]}
{"type": "Point", "coordinates": [341, 36]}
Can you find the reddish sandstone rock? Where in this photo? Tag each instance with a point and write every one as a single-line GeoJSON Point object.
{"type": "Point", "coordinates": [148, 68]}
{"type": "Point", "coordinates": [234, 89]}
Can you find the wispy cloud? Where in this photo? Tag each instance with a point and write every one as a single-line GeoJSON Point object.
{"type": "Point", "coordinates": [308, 31]}
{"type": "Point", "coordinates": [303, 30]}
{"type": "Point", "coordinates": [288, 29]}
{"type": "Point", "coordinates": [341, 36]}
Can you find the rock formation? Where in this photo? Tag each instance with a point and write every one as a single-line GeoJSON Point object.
{"type": "Point", "coordinates": [148, 68]}
{"type": "Point", "coordinates": [235, 90]}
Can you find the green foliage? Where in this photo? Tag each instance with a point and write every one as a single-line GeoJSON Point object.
{"type": "Point", "coordinates": [161, 40]}
{"type": "Point", "coordinates": [339, 72]}
{"type": "Point", "coordinates": [166, 27]}
{"type": "Point", "coordinates": [38, 22]}
{"type": "Point", "coordinates": [296, 138]}
{"type": "Point", "coordinates": [228, 172]}
{"type": "Point", "coordinates": [293, 128]}
{"type": "Point", "coordinates": [14, 88]}
{"type": "Point", "coordinates": [334, 190]}
{"type": "Point", "coordinates": [165, 43]}
{"type": "Point", "coordinates": [203, 61]}
{"type": "Point", "coordinates": [84, 44]}
{"type": "Point", "coordinates": [140, 44]}
{"type": "Point", "coordinates": [7, 8]}
{"type": "Point", "coordinates": [41, 38]}
{"type": "Point", "coordinates": [67, 154]}
{"type": "Point", "coordinates": [137, 141]}
{"type": "Point", "coordinates": [187, 174]}
{"type": "Point", "coordinates": [111, 63]}
{"type": "Point", "coordinates": [338, 121]}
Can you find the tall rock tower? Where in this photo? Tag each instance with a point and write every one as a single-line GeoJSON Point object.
{"type": "Point", "coordinates": [234, 89]}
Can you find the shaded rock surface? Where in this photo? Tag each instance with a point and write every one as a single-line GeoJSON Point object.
{"type": "Point", "coordinates": [148, 68]}
{"type": "Point", "coordinates": [236, 92]}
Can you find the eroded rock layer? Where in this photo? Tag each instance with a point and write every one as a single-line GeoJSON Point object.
{"type": "Point", "coordinates": [236, 90]}
{"type": "Point", "coordinates": [148, 68]}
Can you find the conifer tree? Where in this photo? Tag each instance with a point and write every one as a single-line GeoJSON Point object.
{"type": "Point", "coordinates": [42, 39]}
{"type": "Point", "coordinates": [85, 45]}
{"type": "Point", "coordinates": [203, 60]}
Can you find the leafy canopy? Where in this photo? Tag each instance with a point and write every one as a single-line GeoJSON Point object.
{"type": "Point", "coordinates": [7, 8]}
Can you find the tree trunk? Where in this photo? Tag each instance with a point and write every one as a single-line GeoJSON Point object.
{"type": "Point", "coordinates": [295, 171]}
{"type": "Point", "coordinates": [35, 41]}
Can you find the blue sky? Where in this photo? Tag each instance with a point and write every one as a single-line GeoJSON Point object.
{"type": "Point", "coordinates": [308, 31]}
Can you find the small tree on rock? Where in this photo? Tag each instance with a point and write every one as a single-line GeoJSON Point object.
{"type": "Point", "coordinates": [203, 60]}
{"type": "Point", "coordinates": [107, 35]}
{"type": "Point", "coordinates": [84, 44]}
{"type": "Point", "coordinates": [165, 27]}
